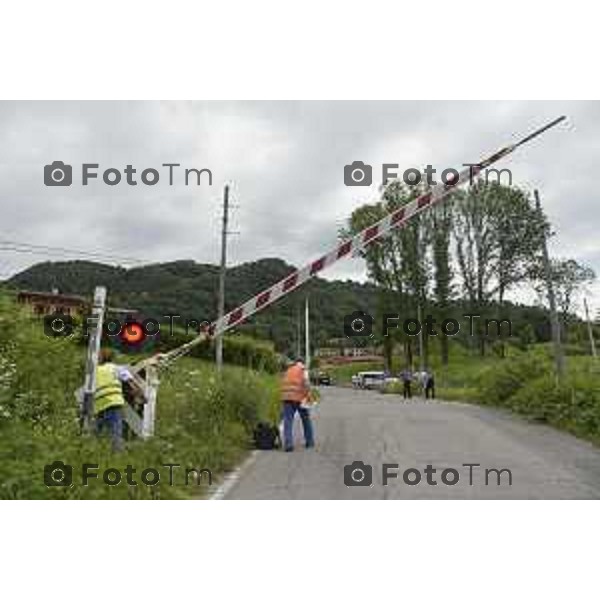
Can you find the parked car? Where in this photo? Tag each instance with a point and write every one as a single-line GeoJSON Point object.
{"type": "Point", "coordinates": [321, 378]}
{"type": "Point", "coordinates": [324, 378]}
{"type": "Point", "coordinates": [372, 380]}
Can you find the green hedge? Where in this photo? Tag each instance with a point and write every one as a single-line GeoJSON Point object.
{"type": "Point", "coordinates": [501, 381]}
{"type": "Point", "coordinates": [237, 350]}
{"type": "Point", "coordinates": [527, 385]}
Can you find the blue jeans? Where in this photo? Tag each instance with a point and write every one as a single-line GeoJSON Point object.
{"type": "Point", "coordinates": [111, 421]}
{"type": "Point", "coordinates": [289, 411]}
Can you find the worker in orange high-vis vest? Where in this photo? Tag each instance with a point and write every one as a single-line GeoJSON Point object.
{"type": "Point", "coordinates": [295, 394]}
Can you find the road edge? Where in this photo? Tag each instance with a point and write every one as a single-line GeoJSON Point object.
{"type": "Point", "coordinates": [231, 479]}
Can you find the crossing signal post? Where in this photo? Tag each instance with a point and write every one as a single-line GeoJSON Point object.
{"type": "Point", "coordinates": [91, 363]}
{"type": "Point", "coordinates": [131, 338]}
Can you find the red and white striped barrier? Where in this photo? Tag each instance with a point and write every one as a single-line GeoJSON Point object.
{"type": "Point", "coordinates": [397, 218]}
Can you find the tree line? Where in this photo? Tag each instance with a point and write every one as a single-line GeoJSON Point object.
{"type": "Point", "coordinates": [477, 246]}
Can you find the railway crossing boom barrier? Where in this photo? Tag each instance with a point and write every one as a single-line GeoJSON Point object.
{"type": "Point", "coordinates": [147, 371]}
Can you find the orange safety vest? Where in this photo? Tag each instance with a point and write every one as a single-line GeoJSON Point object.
{"type": "Point", "coordinates": [293, 386]}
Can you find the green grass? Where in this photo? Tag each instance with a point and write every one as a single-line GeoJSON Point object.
{"type": "Point", "coordinates": [206, 422]}
{"type": "Point", "coordinates": [528, 385]}
{"type": "Point", "coordinates": [202, 421]}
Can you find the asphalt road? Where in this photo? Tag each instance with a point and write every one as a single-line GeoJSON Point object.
{"type": "Point", "coordinates": [366, 426]}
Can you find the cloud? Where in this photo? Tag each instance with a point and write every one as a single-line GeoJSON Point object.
{"type": "Point", "coordinates": [284, 161]}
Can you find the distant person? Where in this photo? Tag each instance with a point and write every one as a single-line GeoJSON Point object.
{"type": "Point", "coordinates": [420, 377]}
{"type": "Point", "coordinates": [295, 394]}
{"type": "Point", "coordinates": [429, 385]}
{"type": "Point", "coordinates": [109, 398]}
{"type": "Point", "coordinates": [406, 377]}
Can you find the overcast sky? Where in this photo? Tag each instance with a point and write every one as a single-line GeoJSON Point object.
{"type": "Point", "coordinates": [284, 161]}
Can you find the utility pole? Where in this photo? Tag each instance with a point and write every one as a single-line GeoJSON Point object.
{"type": "Point", "coordinates": [221, 305]}
{"type": "Point", "coordinates": [555, 323]}
{"type": "Point", "coordinates": [306, 334]}
{"type": "Point", "coordinates": [421, 355]}
{"type": "Point", "coordinates": [589, 327]}
{"type": "Point", "coordinates": [298, 332]}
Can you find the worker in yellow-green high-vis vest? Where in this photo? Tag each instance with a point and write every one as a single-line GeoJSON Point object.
{"type": "Point", "coordinates": [109, 399]}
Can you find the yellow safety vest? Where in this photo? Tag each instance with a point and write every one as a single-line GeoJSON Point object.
{"type": "Point", "coordinates": [108, 388]}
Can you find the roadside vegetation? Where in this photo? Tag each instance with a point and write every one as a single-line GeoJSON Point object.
{"type": "Point", "coordinates": [203, 422]}
{"type": "Point", "coordinates": [465, 256]}
{"type": "Point", "coordinates": [527, 385]}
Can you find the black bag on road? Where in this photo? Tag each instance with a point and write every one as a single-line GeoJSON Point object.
{"type": "Point", "coordinates": [266, 436]}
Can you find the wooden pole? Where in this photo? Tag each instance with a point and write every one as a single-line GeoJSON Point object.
{"type": "Point", "coordinates": [306, 334]}
{"type": "Point", "coordinates": [298, 332]}
{"type": "Point", "coordinates": [421, 352]}
{"type": "Point", "coordinates": [589, 328]}
{"type": "Point", "coordinates": [150, 393]}
{"type": "Point", "coordinates": [222, 272]}
{"type": "Point", "coordinates": [559, 357]}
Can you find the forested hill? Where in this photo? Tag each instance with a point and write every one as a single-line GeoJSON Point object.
{"type": "Point", "coordinates": [190, 289]}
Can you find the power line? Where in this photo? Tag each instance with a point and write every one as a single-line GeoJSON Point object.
{"type": "Point", "coordinates": [49, 250]}
{"type": "Point", "coordinates": [39, 249]}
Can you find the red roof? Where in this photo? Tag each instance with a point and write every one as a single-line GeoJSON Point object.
{"type": "Point", "coordinates": [50, 296]}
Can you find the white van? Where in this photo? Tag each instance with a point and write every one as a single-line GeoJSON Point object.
{"type": "Point", "coordinates": [370, 380]}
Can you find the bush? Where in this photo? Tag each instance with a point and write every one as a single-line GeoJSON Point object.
{"type": "Point", "coordinates": [574, 404]}
{"type": "Point", "coordinates": [203, 421]}
{"type": "Point", "coordinates": [393, 387]}
{"type": "Point", "coordinates": [237, 350]}
{"type": "Point", "coordinates": [584, 417]}
{"type": "Point", "coordinates": [38, 375]}
{"type": "Point", "coordinates": [527, 385]}
{"type": "Point", "coordinates": [498, 383]}
{"type": "Point", "coordinates": [541, 399]}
